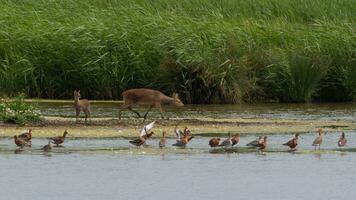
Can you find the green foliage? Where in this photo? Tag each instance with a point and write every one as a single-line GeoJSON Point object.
{"type": "Point", "coordinates": [209, 51]}
{"type": "Point", "coordinates": [18, 112]}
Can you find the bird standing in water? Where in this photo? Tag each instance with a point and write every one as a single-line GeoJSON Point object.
{"type": "Point", "coordinates": [163, 141]}
{"type": "Point", "coordinates": [214, 142]}
{"type": "Point", "coordinates": [342, 141]}
{"type": "Point", "coordinates": [318, 140]}
{"type": "Point", "coordinates": [255, 143]}
{"type": "Point", "coordinates": [293, 143]}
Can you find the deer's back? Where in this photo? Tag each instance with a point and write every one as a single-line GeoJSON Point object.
{"type": "Point", "coordinates": [142, 96]}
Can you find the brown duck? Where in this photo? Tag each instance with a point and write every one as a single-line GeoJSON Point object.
{"type": "Point", "coordinates": [148, 135]}
{"type": "Point", "coordinates": [138, 142]}
{"type": "Point", "coordinates": [27, 136]}
{"type": "Point", "coordinates": [47, 147]}
{"type": "Point", "coordinates": [163, 141]}
{"type": "Point", "coordinates": [21, 142]}
{"type": "Point", "coordinates": [231, 141]}
{"type": "Point", "coordinates": [58, 140]}
{"type": "Point", "coordinates": [342, 141]}
{"type": "Point", "coordinates": [293, 143]}
{"type": "Point", "coordinates": [214, 142]}
{"type": "Point", "coordinates": [318, 140]}
{"type": "Point", "coordinates": [142, 139]}
{"type": "Point", "coordinates": [235, 140]}
{"type": "Point", "coordinates": [183, 141]}
{"type": "Point", "coordinates": [256, 142]}
{"type": "Point", "coordinates": [262, 144]}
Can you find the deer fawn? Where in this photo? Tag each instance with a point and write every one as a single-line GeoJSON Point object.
{"type": "Point", "coordinates": [82, 104]}
{"type": "Point", "coordinates": [153, 98]}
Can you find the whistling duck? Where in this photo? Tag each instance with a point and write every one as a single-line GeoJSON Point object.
{"type": "Point", "coordinates": [163, 141]}
{"type": "Point", "coordinates": [21, 142]}
{"type": "Point", "coordinates": [214, 142]}
{"type": "Point", "coordinates": [293, 143]}
{"type": "Point", "coordinates": [27, 136]}
{"type": "Point", "coordinates": [60, 139]}
{"type": "Point", "coordinates": [318, 140]}
{"type": "Point", "coordinates": [342, 141]}
{"type": "Point", "coordinates": [255, 143]}
{"type": "Point", "coordinates": [47, 147]}
{"type": "Point", "coordinates": [262, 144]}
{"type": "Point", "coordinates": [183, 141]}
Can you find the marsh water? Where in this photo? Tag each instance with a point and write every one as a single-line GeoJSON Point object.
{"type": "Point", "coordinates": [329, 111]}
{"type": "Point", "coordinates": [111, 168]}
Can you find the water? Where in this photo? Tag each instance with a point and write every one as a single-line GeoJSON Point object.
{"type": "Point", "coordinates": [113, 169]}
{"type": "Point", "coordinates": [329, 111]}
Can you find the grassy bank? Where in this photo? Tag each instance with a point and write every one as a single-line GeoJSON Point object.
{"type": "Point", "coordinates": [208, 51]}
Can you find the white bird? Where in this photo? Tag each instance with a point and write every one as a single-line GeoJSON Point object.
{"type": "Point", "coordinates": [178, 133]}
{"type": "Point", "coordinates": [145, 130]}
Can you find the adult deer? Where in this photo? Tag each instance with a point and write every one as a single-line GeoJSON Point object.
{"type": "Point", "coordinates": [81, 105]}
{"type": "Point", "coordinates": [153, 98]}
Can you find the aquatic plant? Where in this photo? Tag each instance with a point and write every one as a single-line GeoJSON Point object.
{"type": "Point", "coordinates": [18, 112]}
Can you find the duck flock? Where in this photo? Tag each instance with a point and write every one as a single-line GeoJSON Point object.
{"type": "Point", "coordinates": [183, 138]}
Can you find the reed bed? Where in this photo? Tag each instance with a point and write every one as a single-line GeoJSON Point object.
{"type": "Point", "coordinates": [206, 50]}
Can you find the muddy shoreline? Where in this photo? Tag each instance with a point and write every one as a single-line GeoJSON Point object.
{"type": "Point", "coordinates": [129, 127]}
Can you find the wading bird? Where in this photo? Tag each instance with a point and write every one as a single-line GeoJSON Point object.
{"type": "Point", "coordinates": [214, 142]}
{"type": "Point", "coordinates": [318, 140]}
{"type": "Point", "coordinates": [47, 147]}
{"type": "Point", "coordinates": [60, 139]}
{"type": "Point", "coordinates": [163, 141]}
{"type": "Point", "coordinates": [144, 135]}
{"type": "Point", "coordinates": [262, 144]}
{"type": "Point", "coordinates": [21, 142]}
{"type": "Point", "coordinates": [342, 141]}
{"type": "Point", "coordinates": [293, 143]}
{"type": "Point", "coordinates": [255, 143]}
{"type": "Point", "coordinates": [26, 136]}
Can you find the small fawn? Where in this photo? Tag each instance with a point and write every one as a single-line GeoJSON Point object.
{"type": "Point", "coordinates": [82, 104]}
{"type": "Point", "coordinates": [143, 96]}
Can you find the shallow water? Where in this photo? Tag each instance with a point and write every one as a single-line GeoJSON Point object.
{"type": "Point", "coordinates": [114, 169]}
{"type": "Point", "coordinates": [330, 111]}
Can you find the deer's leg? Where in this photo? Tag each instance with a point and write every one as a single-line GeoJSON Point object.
{"type": "Point", "coordinates": [77, 112]}
{"type": "Point", "coordinates": [158, 105]}
{"type": "Point", "coordinates": [127, 106]}
{"type": "Point", "coordinates": [87, 114]}
{"type": "Point", "coordinates": [137, 113]}
{"type": "Point", "coordinates": [149, 109]}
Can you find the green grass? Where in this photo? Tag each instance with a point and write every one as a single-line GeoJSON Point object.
{"type": "Point", "coordinates": [16, 111]}
{"type": "Point", "coordinates": [209, 51]}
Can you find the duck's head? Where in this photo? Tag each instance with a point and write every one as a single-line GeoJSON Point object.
{"type": "Point", "coordinates": [320, 131]}
{"type": "Point", "coordinates": [342, 134]}
{"type": "Point", "coordinates": [297, 135]}
{"type": "Point", "coordinates": [65, 133]}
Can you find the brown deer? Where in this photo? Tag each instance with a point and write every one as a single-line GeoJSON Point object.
{"type": "Point", "coordinates": [81, 104]}
{"type": "Point", "coordinates": [153, 98]}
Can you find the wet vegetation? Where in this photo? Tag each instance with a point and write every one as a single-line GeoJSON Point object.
{"type": "Point", "coordinates": [17, 111]}
{"type": "Point", "coordinates": [208, 51]}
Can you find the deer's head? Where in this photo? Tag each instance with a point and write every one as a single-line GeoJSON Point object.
{"type": "Point", "coordinates": [177, 101]}
{"type": "Point", "coordinates": [76, 94]}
